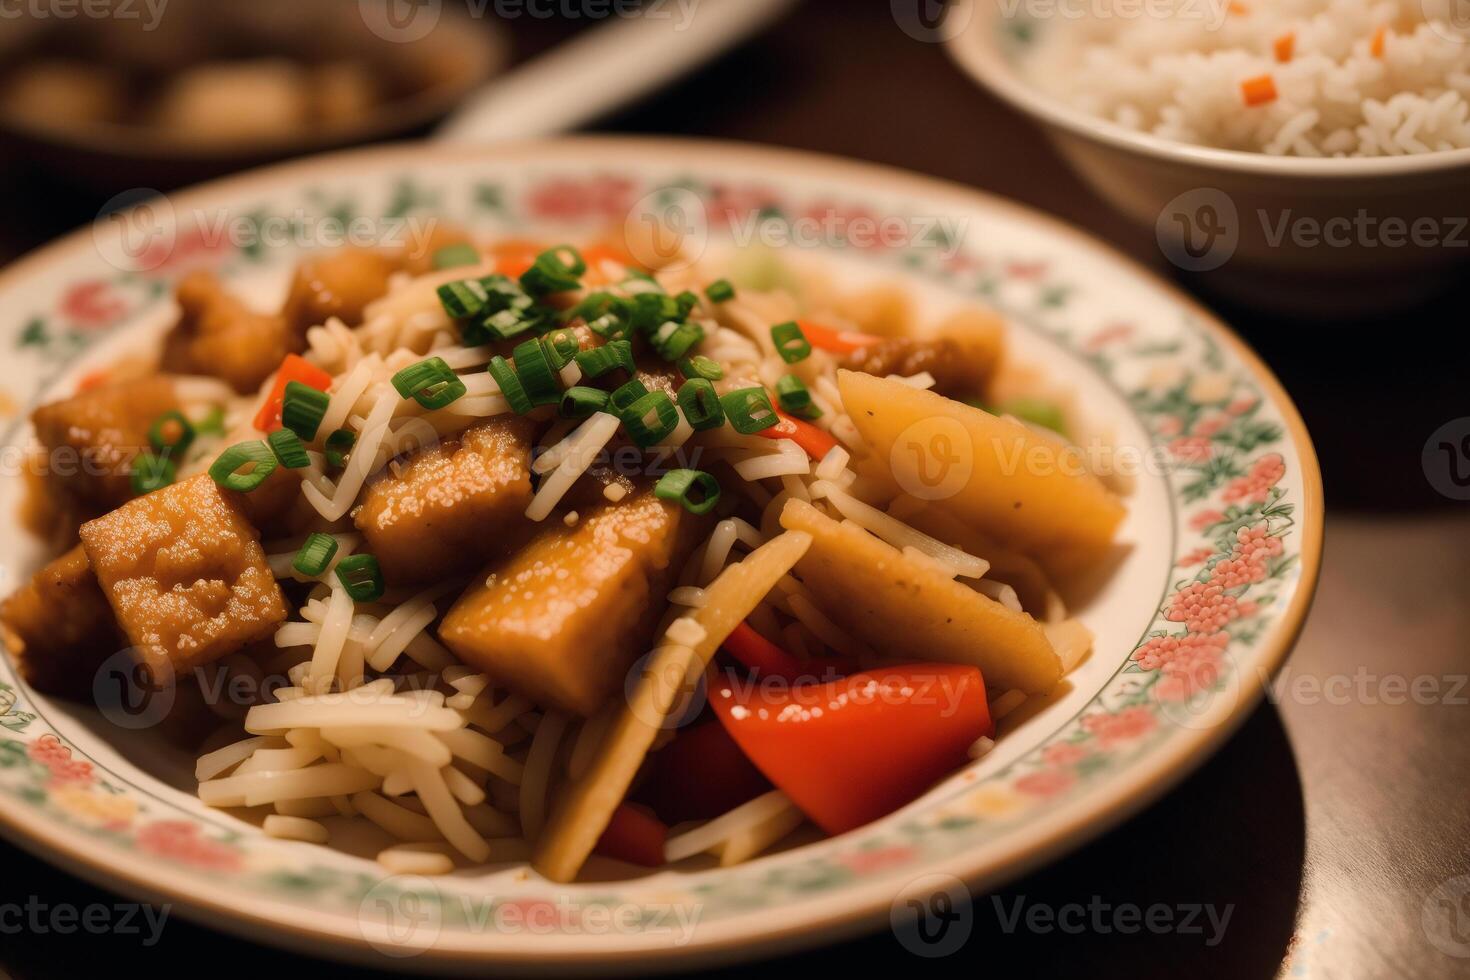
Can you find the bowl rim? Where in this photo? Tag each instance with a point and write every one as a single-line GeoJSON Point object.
{"type": "Point", "coordinates": [972, 48]}
{"type": "Point", "coordinates": [1058, 833]}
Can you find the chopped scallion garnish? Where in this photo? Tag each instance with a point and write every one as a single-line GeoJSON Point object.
{"type": "Point", "coordinates": [338, 445]}
{"type": "Point", "coordinates": [287, 447]}
{"type": "Point", "coordinates": [749, 410]}
{"type": "Point", "coordinates": [170, 435]}
{"type": "Point", "coordinates": [229, 469]}
{"type": "Point", "coordinates": [361, 577]}
{"type": "Point", "coordinates": [650, 419]}
{"type": "Point", "coordinates": [697, 491]}
{"type": "Point", "coordinates": [453, 256]}
{"type": "Point", "coordinates": [431, 382]}
{"type": "Point", "coordinates": [597, 361]}
{"type": "Point", "coordinates": [533, 367]}
{"type": "Point", "coordinates": [580, 402]}
{"type": "Point", "coordinates": [303, 408]}
{"type": "Point", "coordinates": [720, 291]}
{"type": "Point", "coordinates": [701, 404]}
{"type": "Point", "coordinates": [555, 270]}
{"type": "Point", "coordinates": [315, 555]}
{"type": "Point", "coordinates": [795, 398]}
{"type": "Point", "coordinates": [625, 395]}
{"type": "Point", "coordinates": [700, 366]}
{"type": "Point", "coordinates": [790, 342]}
{"type": "Point", "coordinates": [510, 385]}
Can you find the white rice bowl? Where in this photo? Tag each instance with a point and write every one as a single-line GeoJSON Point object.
{"type": "Point", "coordinates": [1363, 79]}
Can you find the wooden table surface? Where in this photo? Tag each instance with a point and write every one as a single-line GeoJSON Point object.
{"type": "Point", "coordinates": [1329, 822]}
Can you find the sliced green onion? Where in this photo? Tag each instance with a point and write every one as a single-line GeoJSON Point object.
{"type": "Point", "coordinates": [749, 410]}
{"type": "Point", "coordinates": [504, 325]}
{"type": "Point", "coordinates": [510, 385]}
{"type": "Point", "coordinates": [605, 314]}
{"type": "Point", "coordinates": [625, 395]}
{"type": "Point", "coordinates": [1037, 411]}
{"type": "Point", "coordinates": [338, 445]}
{"type": "Point", "coordinates": [792, 392]}
{"type": "Point", "coordinates": [213, 423]}
{"type": "Point", "coordinates": [303, 408]}
{"type": "Point", "coordinates": [561, 346]}
{"type": "Point", "coordinates": [226, 470]}
{"type": "Point", "coordinates": [580, 402]}
{"type": "Point", "coordinates": [361, 577]}
{"type": "Point", "coordinates": [597, 361]}
{"type": "Point", "coordinates": [152, 473]}
{"type": "Point", "coordinates": [555, 271]}
{"type": "Point", "coordinates": [701, 404]}
{"type": "Point", "coordinates": [453, 256]}
{"type": "Point", "coordinates": [170, 434]}
{"type": "Point", "coordinates": [538, 379]}
{"type": "Point", "coordinates": [467, 297]}
{"type": "Point", "coordinates": [315, 555]}
{"type": "Point", "coordinates": [650, 419]}
{"type": "Point", "coordinates": [700, 366]}
{"type": "Point", "coordinates": [674, 340]}
{"type": "Point", "coordinates": [431, 382]}
{"type": "Point", "coordinates": [652, 310]}
{"type": "Point", "coordinates": [696, 490]}
{"type": "Point", "coordinates": [686, 302]}
{"type": "Point", "coordinates": [720, 291]}
{"type": "Point", "coordinates": [790, 342]}
{"type": "Point", "coordinates": [287, 447]}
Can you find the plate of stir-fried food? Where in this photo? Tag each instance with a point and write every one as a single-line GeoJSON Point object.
{"type": "Point", "coordinates": [609, 550]}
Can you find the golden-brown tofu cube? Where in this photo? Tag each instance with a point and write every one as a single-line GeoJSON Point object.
{"type": "Point", "coordinates": [185, 574]}
{"type": "Point", "coordinates": [218, 335]}
{"type": "Point", "coordinates": [452, 505]}
{"type": "Point", "coordinates": [59, 626]}
{"type": "Point", "coordinates": [338, 284]}
{"type": "Point", "coordinates": [93, 437]}
{"type": "Point", "coordinates": [563, 619]}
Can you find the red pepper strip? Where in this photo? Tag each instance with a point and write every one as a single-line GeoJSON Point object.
{"type": "Point", "coordinates": [816, 442]}
{"type": "Point", "coordinates": [699, 775]}
{"type": "Point", "coordinates": [634, 836]}
{"type": "Point", "coordinates": [836, 341]}
{"type": "Point", "coordinates": [293, 368]}
{"type": "Point", "coordinates": [768, 660]}
{"type": "Point", "coordinates": [850, 751]}
{"type": "Point", "coordinates": [513, 257]}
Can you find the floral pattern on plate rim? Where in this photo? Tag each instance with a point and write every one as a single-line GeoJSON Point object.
{"type": "Point", "coordinates": [1233, 548]}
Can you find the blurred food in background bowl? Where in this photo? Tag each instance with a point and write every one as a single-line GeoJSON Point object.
{"type": "Point", "coordinates": [168, 94]}
{"type": "Point", "coordinates": [1132, 92]}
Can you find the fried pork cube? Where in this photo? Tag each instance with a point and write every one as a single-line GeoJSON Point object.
{"type": "Point", "coordinates": [451, 506]}
{"type": "Point", "coordinates": [962, 355]}
{"type": "Point", "coordinates": [185, 575]}
{"type": "Point", "coordinates": [563, 619]}
{"type": "Point", "coordinates": [339, 284]}
{"type": "Point", "coordinates": [60, 628]}
{"type": "Point", "coordinates": [92, 437]}
{"type": "Point", "coordinates": [218, 335]}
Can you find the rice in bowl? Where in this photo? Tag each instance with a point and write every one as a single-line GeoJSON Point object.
{"type": "Point", "coordinates": [1308, 78]}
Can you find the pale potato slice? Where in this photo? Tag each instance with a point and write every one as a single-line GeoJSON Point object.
{"type": "Point", "coordinates": [1026, 489]}
{"type": "Point", "coordinates": [906, 609]}
{"type": "Point", "coordinates": [582, 812]}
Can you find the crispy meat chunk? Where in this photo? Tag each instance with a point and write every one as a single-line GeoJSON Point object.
{"type": "Point", "coordinates": [338, 284]}
{"type": "Point", "coordinates": [962, 355]}
{"type": "Point", "coordinates": [92, 437]}
{"type": "Point", "coordinates": [453, 505]}
{"type": "Point", "coordinates": [218, 335]}
{"type": "Point", "coordinates": [185, 574]}
{"type": "Point", "coordinates": [563, 619]}
{"type": "Point", "coordinates": [60, 627]}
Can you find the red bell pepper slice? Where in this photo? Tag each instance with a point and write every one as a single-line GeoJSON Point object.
{"type": "Point", "coordinates": [634, 836]}
{"type": "Point", "coordinates": [850, 751]}
{"type": "Point", "coordinates": [836, 341]}
{"type": "Point", "coordinates": [513, 257]}
{"type": "Point", "coordinates": [699, 775]}
{"type": "Point", "coordinates": [769, 660]}
{"type": "Point", "coordinates": [293, 368]}
{"type": "Point", "coordinates": [810, 438]}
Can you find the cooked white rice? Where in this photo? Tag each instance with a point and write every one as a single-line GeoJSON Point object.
{"type": "Point", "coordinates": [1307, 78]}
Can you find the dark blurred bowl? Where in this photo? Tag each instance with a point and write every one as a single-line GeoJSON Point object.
{"type": "Point", "coordinates": [430, 75]}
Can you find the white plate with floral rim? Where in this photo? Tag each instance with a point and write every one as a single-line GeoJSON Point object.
{"type": "Point", "coordinates": [1223, 541]}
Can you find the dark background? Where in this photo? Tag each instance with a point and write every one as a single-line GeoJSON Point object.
{"type": "Point", "coordinates": [1326, 825]}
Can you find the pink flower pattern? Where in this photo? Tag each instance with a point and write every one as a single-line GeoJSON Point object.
{"type": "Point", "coordinates": [1256, 485]}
